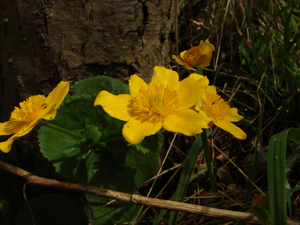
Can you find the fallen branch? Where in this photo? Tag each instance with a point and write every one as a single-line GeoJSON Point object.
{"type": "Point", "coordinates": [136, 199]}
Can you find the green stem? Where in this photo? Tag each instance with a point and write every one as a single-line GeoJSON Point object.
{"type": "Point", "coordinates": [63, 130]}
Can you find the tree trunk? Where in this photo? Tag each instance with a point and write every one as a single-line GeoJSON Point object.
{"type": "Point", "coordinates": [43, 42]}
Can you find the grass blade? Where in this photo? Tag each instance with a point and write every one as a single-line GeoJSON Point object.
{"type": "Point", "coordinates": [277, 174]}
{"type": "Point", "coordinates": [262, 214]}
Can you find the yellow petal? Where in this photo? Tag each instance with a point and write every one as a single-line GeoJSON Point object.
{"type": "Point", "coordinates": [11, 127]}
{"type": "Point", "coordinates": [181, 62]}
{"type": "Point", "coordinates": [187, 122]}
{"type": "Point", "coordinates": [211, 89]}
{"type": "Point", "coordinates": [231, 128]}
{"type": "Point", "coordinates": [164, 76]}
{"type": "Point", "coordinates": [116, 106]}
{"type": "Point", "coordinates": [134, 131]}
{"type": "Point", "coordinates": [54, 100]}
{"type": "Point", "coordinates": [136, 84]}
{"type": "Point", "coordinates": [178, 60]}
{"type": "Point", "coordinates": [203, 114]}
{"type": "Point", "coordinates": [182, 54]}
{"type": "Point", "coordinates": [205, 54]}
{"type": "Point", "coordinates": [191, 89]}
{"type": "Point", "coordinates": [4, 130]}
{"type": "Point", "coordinates": [57, 95]}
{"type": "Point", "coordinates": [233, 116]}
{"type": "Point", "coordinates": [211, 46]}
{"type": "Point", "coordinates": [6, 145]}
{"type": "Point", "coordinates": [202, 61]}
{"type": "Point", "coordinates": [49, 114]}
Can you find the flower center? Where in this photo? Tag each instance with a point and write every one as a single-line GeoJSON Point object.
{"type": "Point", "coordinates": [156, 101]}
{"type": "Point", "coordinates": [30, 109]}
{"type": "Point", "coordinates": [214, 106]}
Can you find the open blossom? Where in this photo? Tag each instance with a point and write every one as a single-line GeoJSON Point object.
{"type": "Point", "coordinates": [24, 118]}
{"type": "Point", "coordinates": [163, 103]}
{"type": "Point", "coordinates": [218, 112]}
{"type": "Point", "coordinates": [199, 56]}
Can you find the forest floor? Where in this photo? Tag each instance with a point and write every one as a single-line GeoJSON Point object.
{"type": "Point", "coordinates": [254, 72]}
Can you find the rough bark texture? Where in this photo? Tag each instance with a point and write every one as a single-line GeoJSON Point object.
{"type": "Point", "coordinates": [43, 42]}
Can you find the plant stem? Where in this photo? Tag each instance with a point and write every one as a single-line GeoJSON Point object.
{"type": "Point", "coordinates": [135, 199]}
{"type": "Point", "coordinates": [58, 128]}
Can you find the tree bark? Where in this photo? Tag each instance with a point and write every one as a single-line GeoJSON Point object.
{"type": "Point", "coordinates": [43, 42]}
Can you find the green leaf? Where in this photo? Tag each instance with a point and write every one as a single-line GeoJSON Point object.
{"type": "Point", "coordinates": [149, 143]}
{"type": "Point", "coordinates": [277, 181]}
{"type": "Point", "coordinates": [263, 155]}
{"type": "Point", "coordinates": [52, 209]}
{"type": "Point", "coordinates": [96, 84]}
{"type": "Point", "coordinates": [101, 156]}
{"type": "Point", "coordinates": [293, 158]}
{"type": "Point", "coordinates": [96, 153]}
{"type": "Point", "coordinates": [262, 214]}
{"type": "Point", "coordinates": [117, 212]}
{"type": "Point", "coordinates": [90, 131]}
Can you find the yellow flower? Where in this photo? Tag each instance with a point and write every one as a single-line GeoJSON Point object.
{"type": "Point", "coordinates": [164, 102]}
{"type": "Point", "coordinates": [199, 56]}
{"type": "Point", "coordinates": [218, 112]}
{"type": "Point", "coordinates": [34, 108]}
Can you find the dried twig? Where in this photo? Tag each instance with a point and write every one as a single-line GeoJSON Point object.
{"type": "Point", "coordinates": [136, 199]}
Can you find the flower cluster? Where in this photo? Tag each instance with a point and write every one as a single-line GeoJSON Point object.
{"type": "Point", "coordinates": [165, 103]}
{"type": "Point", "coordinates": [186, 106]}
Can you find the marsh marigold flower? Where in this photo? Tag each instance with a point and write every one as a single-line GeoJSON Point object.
{"type": "Point", "coordinates": [163, 103]}
{"type": "Point", "coordinates": [218, 112]}
{"type": "Point", "coordinates": [24, 118]}
{"type": "Point", "coordinates": [199, 56]}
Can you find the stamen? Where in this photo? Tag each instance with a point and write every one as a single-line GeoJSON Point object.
{"type": "Point", "coordinates": [30, 109]}
{"type": "Point", "coordinates": [156, 101]}
{"type": "Point", "coordinates": [214, 106]}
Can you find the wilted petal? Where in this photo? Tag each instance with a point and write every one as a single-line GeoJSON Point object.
{"type": "Point", "coordinates": [116, 106]}
{"type": "Point", "coordinates": [205, 54]}
{"type": "Point", "coordinates": [182, 54]}
{"type": "Point", "coordinates": [180, 61]}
